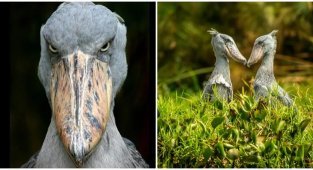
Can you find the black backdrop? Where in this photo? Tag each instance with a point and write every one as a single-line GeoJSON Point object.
{"type": "Point", "coordinates": [29, 109]}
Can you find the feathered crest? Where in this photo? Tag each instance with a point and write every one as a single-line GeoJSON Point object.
{"type": "Point", "coordinates": [120, 19]}
{"type": "Point", "coordinates": [273, 33]}
{"type": "Point", "coordinates": [213, 32]}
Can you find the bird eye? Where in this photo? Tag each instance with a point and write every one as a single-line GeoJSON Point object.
{"type": "Point", "coordinates": [53, 49]}
{"type": "Point", "coordinates": [260, 43]}
{"type": "Point", "coordinates": [105, 47]}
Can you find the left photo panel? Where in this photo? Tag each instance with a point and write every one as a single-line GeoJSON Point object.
{"type": "Point", "coordinates": [82, 85]}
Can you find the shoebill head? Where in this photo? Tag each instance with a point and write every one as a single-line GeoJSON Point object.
{"type": "Point", "coordinates": [82, 66]}
{"type": "Point", "coordinates": [263, 45]}
{"type": "Point", "coordinates": [224, 45]}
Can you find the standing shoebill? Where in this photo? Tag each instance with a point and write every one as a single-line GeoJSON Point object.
{"type": "Point", "coordinates": [223, 47]}
{"type": "Point", "coordinates": [265, 83]}
{"type": "Point", "coordinates": [82, 67]}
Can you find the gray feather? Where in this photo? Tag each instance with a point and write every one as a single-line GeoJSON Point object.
{"type": "Point", "coordinates": [135, 154]}
{"type": "Point", "coordinates": [31, 162]}
{"type": "Point", "coordinates": [284, 97]}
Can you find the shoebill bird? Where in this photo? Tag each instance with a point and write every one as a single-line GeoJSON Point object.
{"type": "Point", "coordinates": [223, 47]}
{"type": "Point", "coordinates": [265, 83]}
{"type": "Point", "coordinates": [82, 67]}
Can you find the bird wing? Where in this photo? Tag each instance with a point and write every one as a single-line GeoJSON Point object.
{"type": "Point", "coordinates": [31, 162]}
{"type": "Point", "coordinates": [284, 97]}
{"type": "Point", "coordinates": [135, 154]}
{"type": "Point", "coordinates": [260, 91]}
{"type": "Point", "coordinates": [219, 79]}
{"type": "Point", "coordinates": [224, 89]}
{"type": "Point", "coordinates": [275, 90]}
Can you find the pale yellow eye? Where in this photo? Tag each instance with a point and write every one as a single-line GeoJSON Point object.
{"type": "Point", "coordinates": [105, 47]}
{"type": "Point", "coordinates": [53, 49]}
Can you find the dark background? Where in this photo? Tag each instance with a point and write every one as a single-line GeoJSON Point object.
{"type": "Point", "coordinates": [29, 109]}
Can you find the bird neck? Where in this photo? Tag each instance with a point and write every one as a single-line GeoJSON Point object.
{"type": "Point", "coordinates": [110, 152]}
{"type": "Point", "coordinates": [268, 60]}
{"type": "Point", "coordinates": [266, 70]}
{"type": "Point", "coordinates": [222, 66]}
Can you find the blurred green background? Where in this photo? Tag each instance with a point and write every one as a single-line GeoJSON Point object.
{"type": "Point", "coordinates": [185, 55]}
{"type": "Point", "coordinates": [29, 109]}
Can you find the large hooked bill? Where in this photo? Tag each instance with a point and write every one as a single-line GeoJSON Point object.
{"type": "Point", "coordinates": [81, 94]}
{"type": "Point", "coordinates": [233, 52]}
{"type": "Point", "coordinates": [256, 54]}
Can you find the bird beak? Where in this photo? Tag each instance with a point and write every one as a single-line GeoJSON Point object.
{"type": "Point", "coordinates": [81, 94]}
{"type": "Point", "coordinates": [256, 55]}
{"type": "Point", "coordinates": [233, 52]}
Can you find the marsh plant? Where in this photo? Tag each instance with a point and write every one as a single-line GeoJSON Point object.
{"type": "Point", "coordinates": [242, 133]}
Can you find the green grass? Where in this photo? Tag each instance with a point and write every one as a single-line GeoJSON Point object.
{"type": "Point", "coordinates": [242, 133]}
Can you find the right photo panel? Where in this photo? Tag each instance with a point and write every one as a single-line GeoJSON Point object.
{"type": "Point", "coordinates": [234, 85]}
